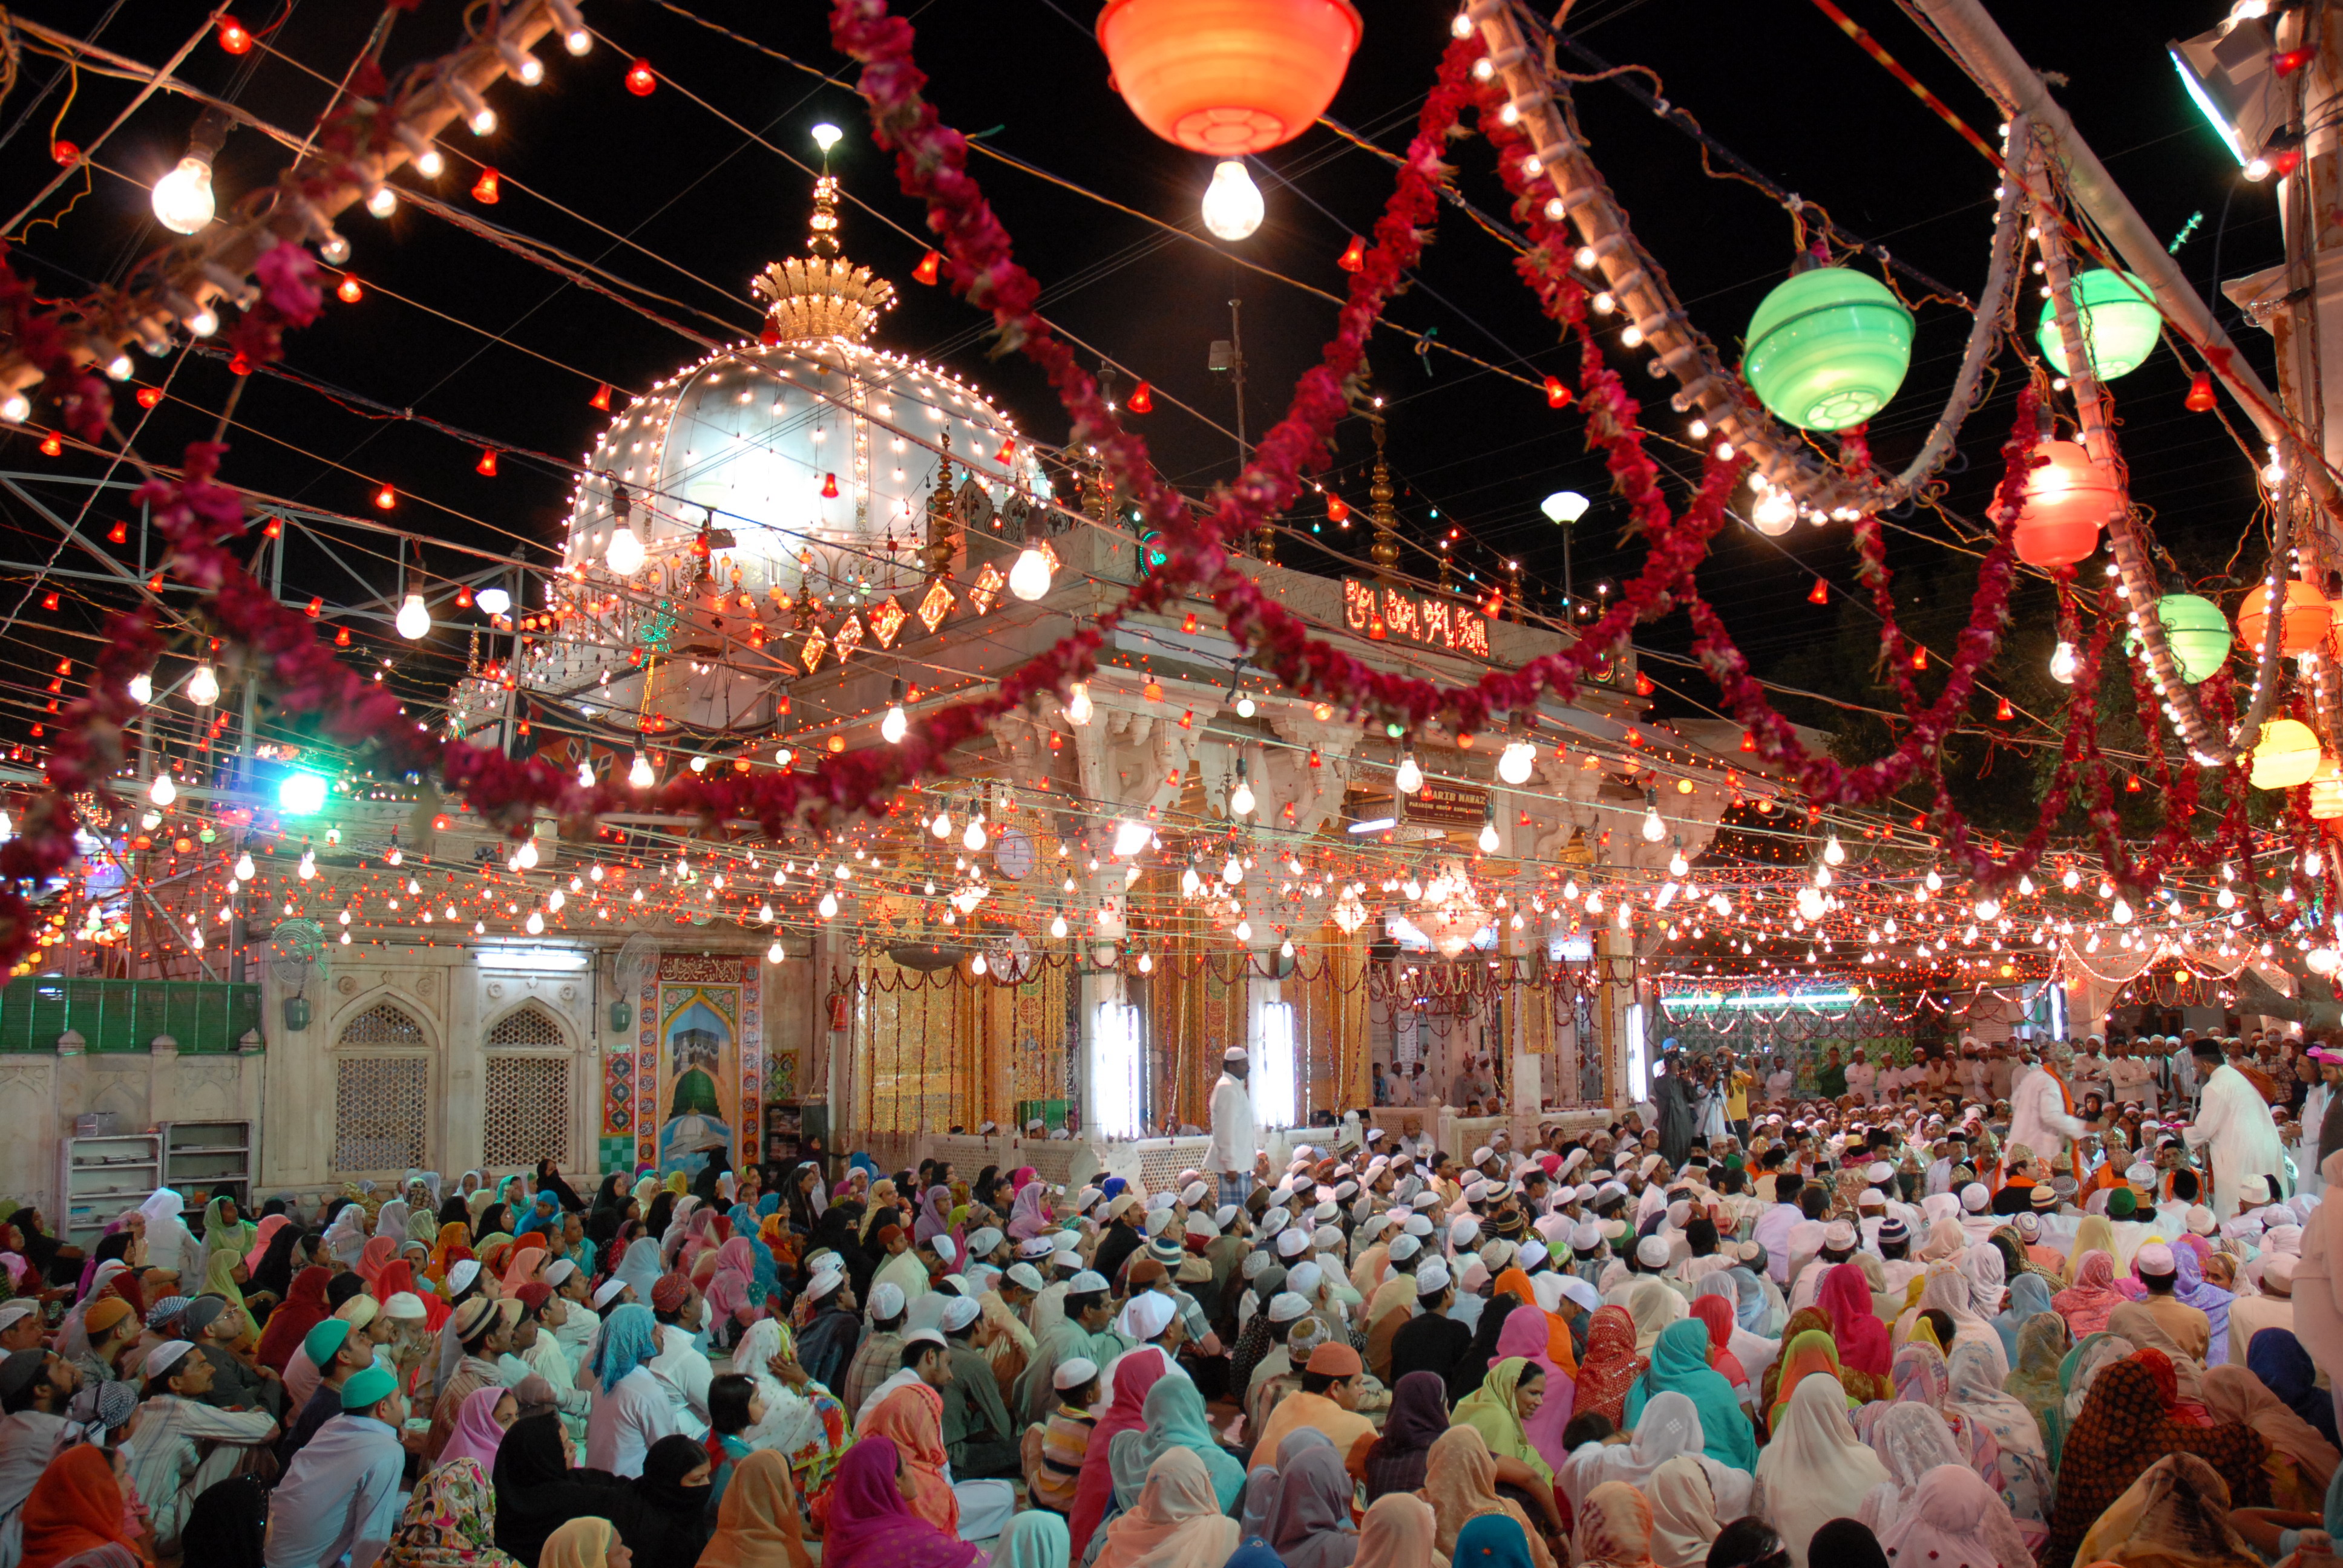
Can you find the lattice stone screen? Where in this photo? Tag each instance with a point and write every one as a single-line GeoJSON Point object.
{"type": "Point", "coordinates": [526, 1027]}
{"type": "Point", "coordinates": [382, 1106]}
{"type": "Point", "coordinates": [527, 1113]}
{"type": "Point", "coordinates": [1160, 1167]}
{"type": "Point", "coordinates": [383, 1024]}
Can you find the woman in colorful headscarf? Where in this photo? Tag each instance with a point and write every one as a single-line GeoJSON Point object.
{"type": "Point", "coordinates": [1714, 1311]}
{"type": "Point", "coordinates": [1029, 1213]}
{"type": "Point", "coordinates": [2124, 1430]}
{"type": "Point", "coordinates": [2092, 1298]}
{"type": "Point", "coordinates": [224, 1229]}
{"type": "Point", "coordinates": [869, 1523]}
{"type": "Point", "coordinates": [1808, 1353]}
{"type": "Point", "coordinates": [1508, 1396]}
{"type": "Point", "coordinates": [1610, 1367]}
{"type": "Point", "coordinates": [2022, 1471]}
{"type": "Point", "coordinates": [1953, 1517]}
{"type": "Point", "coordinates": [2190, 1288]}
{"type": "Point", "coordinates": [1396, 1460]}
{"type": "Point", "coordinates": [1134, 1374]}
{"type": "Point", "coordinates": [1844, 1298]}
{"type": "Point", "coordinates": [1613, 1528]}
{"type": "Point", "coordinates": [1680, 1365]}
{"type": "Point", "coordinates": [304, 1309]}
{"type": "Point", "coordinates": [1524, 1334]}
{"type": "Point", "coordinates": [2034, 1380]}
{"type": "Point", "coordinates": [1459, 1482]}
{"type": "Point", "coordinates": [453, 1237]}
{"type": "Point", "coordinates": [2301, 1462]}
{"type": "Point", "coordinates": [1813, 1469]}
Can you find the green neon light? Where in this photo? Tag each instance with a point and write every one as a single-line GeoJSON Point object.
{"type": "Point", "coordinates": [1695, 1000]}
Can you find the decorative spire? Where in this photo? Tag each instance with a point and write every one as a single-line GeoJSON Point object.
{"type": "Point", "coordinates": [1382, 514]}
{"type": "Point", "coordinates": [824, 296]}
{"type": "Point", "coordinates": [943, 521]}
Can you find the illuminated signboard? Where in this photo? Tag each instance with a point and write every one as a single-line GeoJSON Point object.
{"type": "Point", "coordinates": [1382, 611]}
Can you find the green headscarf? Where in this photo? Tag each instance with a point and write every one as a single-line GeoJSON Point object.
{"type": "Point", "coordinates": [1037, 1538]}
{"type": "Point", "coordinates": [1680, 1365]}
{"type": "Point", "coordinates": [1490, 1411]}
{"type": "Point", "coordinates": [1175, 1414]}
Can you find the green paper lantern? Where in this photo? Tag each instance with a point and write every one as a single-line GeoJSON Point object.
{"type": "Point", "coordinates": [2197, 632]}
{"type": "Point", "coordinates": [1828, 349]}
{"type": "Point", "coordinates": [2119, 321]}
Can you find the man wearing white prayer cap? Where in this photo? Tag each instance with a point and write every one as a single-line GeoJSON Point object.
{"type": "Point", "coordinates": [1234, 1141]}
{"type": "Point", "coordinates": [2185, 1326]}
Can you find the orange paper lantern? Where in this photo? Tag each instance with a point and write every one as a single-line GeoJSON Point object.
{"type": "Point", "coordinates": [2067, 500]}
{"type": "Point", "coordinates": [1228, 76]}
{"type": "Point", "coordinates": [2306, 620]}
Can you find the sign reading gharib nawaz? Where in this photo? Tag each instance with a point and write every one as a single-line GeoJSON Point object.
{"type": "Point", "coordinates": [1444, 803]}
{"type": "Point", "coordinates": [1382, 611]}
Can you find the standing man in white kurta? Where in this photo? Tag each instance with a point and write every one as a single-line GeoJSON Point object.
{"type": "Point", "coordinates": [1234, 1142]}
{"type": "Point", "coordinates": [2235, 1119]}
{"type": "Point", "coordinates": [2040, 1116]}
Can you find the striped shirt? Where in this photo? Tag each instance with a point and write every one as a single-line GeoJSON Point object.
{"type": "Point", "coordinates": [1065, 1438]}
{"type": "Point", "coordinates": [170, 1439]}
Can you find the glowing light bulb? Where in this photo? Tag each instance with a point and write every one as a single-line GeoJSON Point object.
{"type": "Point", "coordinates": [894, 726]}
{"type": "Point", "coordinates": [827, 907]}
{"type": "Point", "coordinates": [774, 954]}
{"type": "Point", "coordinates": [2063, 663]}
{"type": "Point", "coordinates": [625, 555]}
{"type": "Point", "coordinates": [1131, 837]}
{"type": "Point", "coordinates": [942, 826]}
{"type": "Point", "coordinates": [164, 791]}
{"type": "Point", "coordinates": [1245, 706]}
{"type": "Point", "coordinates": [414, 620]}
{"type": "Point", "coordinates": [1243, 932]}
{"type": "Point", "coordinates": [203, 686]}
{"type": "Point", "coordinates": [2120, 913]}
{"type": "Point", "coordinates": [1057, 925]}
{"type": "Point", "coordinates": [182, 198]}
{"type": "Point", "coordinates": [1029, 580]}
{"type": "Point", "coordinates": [1078, 703]}
{"type": "Point", "coordinates": [307, 868]}
{"type": "Point", "coordinates": [1409, 778]}
{"type": "Point", "coordinates": [142, 688]}
{"type": "Point", "coordinates": [1241, 801]}
{"type": "Point", "coordinates": [1232, 206]}
{"type": "Point", "coordinates": [1810, 903]}
{"type": "Point", "coordinates": [641, 774]}
{"type": "Point", "coordinates": [1677, 865]}
{"type": "Point", "coordinates": [1774, 513]}
{"type": "Point", "coordinates": [973, 839]}
{"type": "Point", "coordinates": [382, 201]}
{"type": "Point", "coordinates": [1834, 852]}
{"type": "Point", "coordinates": [527, 855]}
{"type": "Point", "coordinates": [1988, 907]}
{"type": "Point", "coordinates": [1233, 873]}
{"type": "Point", "coordinates": [1488, 839]}
{"type": "Point", "coordinates": [1515, 762]}
{"type": "Point", "coordinates": [585, 776]}
{"type": "Point", "coordinates": [535, 924]}
{"type": "Point", "coordinates": [243, 867]}
{"type": "Point", "coordinates": [1653, 828]}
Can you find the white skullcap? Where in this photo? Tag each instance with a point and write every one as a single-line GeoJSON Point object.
{"type": "Point", "coordinates": [1224, 1216]}
{"type": "Point", "coordinates": [1838, 1236]}
{"type": "Point", "coordinates": [1025, 1275]}
{"type": "Point", "coordinates": [2154, 1257]}
{"type": "Point", "coordinates": [886, 1300]}
{"type": "Point", "coordinates": [1065, 1241]}
{"type": "Point", "coordinates": [1088, 1282]}
{"type": "Point", "coordinates": [606, 1293]}
{"type": "Point", "coordinates": [925, 1337]}
{"type": "Point", "coordinates": [12, 1312]}
{"type": "Point", "coordinates": [1652, 1252]}
{"type": "Point", "coordinates": [1201, 1228]}
{"type": "Point", "coordinates": [1477, 1190]}
{"type": "Point", "coordinates": [1481, 1155]}
{"type": "Point", "coordinates": [1879, 1171]}
{"type": "Point", "coordinates": [1146, 1315]}
{"type": "Point", "coordinates": [1464, 1232]}
{"type": "Point", "coordinates": [1417, 1225]}
{"type": "Point", "coordinates": [1585, 1237]}
{"type": "Point", "coordinates": [1072, 1373]}
{"type": "Point", "coordinates": [980, 1243]}
{"type": "Point", "coordinates": [165, 1356]}
{"type": "Point", "coordinates": [1292, 1242]}
{"type": "Point", "coordinates": [1472, 1276]}
{"type": "Point", "coordinates": [1404, 1248]}
{"type": "Point", "coordinates": [1234, 1053]}
{"type": "Point", "coordinates": [1285, 1306]}
{"type": "Point", "coordinates": [2199, 1220]}
{"type": "Point", "coordinates": [1431, 1278]}
{"type": "Point", "coordinates": [959, 1312]}
{"type": "Point", "coordinates": [1973, 1198]}
{"type": "Point", "coordinates": [1424, 1200]}
{"type": "Point", "coordinates": [405, 1306]}
{"type": "Point", "coordinates": [1161, 1201]}
{"type": "Point", "coordinates": [2278, 1268]}
{"type": "Point", "coordinates": [461, 1275]}
{"type": "Point", "coordinates": [1574, 1289]}
{"type": "Point", "coordinates": [1193, 1193]}
{"type": "Point", "coordinates": [1305, 1278]}
{"type": "Point", "coordinates": [1533, 1254]}
{"type": "Point", "coordinates": [1036, 1247]}
{"type": "Point", "coordinates": [558, 1270]}
{"type": "Point", "coordinates": [1326, 1237]}
{"type": "Point", "coordinates": [1273, 1222]}
{"type": "Point", "coordinates": [2283, 1239]}
{"type": "Point", "coordinates": [1255, 1265]}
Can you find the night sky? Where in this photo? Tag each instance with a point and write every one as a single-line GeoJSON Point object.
{"type": "Point", "coordinates": [677, 198]}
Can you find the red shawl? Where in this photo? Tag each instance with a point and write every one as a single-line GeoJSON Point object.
{"type": "Point", "coordinates": [304, 1309]}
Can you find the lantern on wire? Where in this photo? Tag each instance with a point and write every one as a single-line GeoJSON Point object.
{"type": "Point", "coordinates": [2304, 621]}
{"type": "Point", "coordinates": [2287, 754]}
{"type": "Point", "coordinates": [2327, 791]}
{"type": "Point", "coordinates": [2067, 500]}
{"type": "Point", "coordinates": [2196, 632]}
{"type": "Point", "coordinates": [1828, 347]}
{"type": "Point", "coordinates": [1228, 76]}
{"type": "Point", "coordinates": [2116, 313]}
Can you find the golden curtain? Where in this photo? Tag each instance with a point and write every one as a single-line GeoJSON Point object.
{"type": "Point", "coordinates": [1330, 1021]}
{"type": "Point", "coordinates": [937, 1051]}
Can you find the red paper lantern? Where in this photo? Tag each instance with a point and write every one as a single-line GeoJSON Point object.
{"type": "Point", "coordinates": [66, 153]}
{"type": "Point", "coordinates": [2068, 499]}
{"type": "Point", "coordinates": [829, 486]}
{"type": "Point", "coordinates": [385, 498]}
{"type": "Point", "coordinates": [1228, 76]}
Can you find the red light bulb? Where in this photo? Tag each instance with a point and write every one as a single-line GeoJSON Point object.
{"type": "Point", "coordinates": [149, 395]}
{"type": "Point", "coordinates": [1337, 509]}
{"type": "Point", "coordinates": [488, 463]}
{"type": "Point", "coordinates": [1819, 593]}
{"type": "Point", "coordinates": [1353, 257]}
{"type": "Point", "coordinates": [347, 291]}
{"type": "Point", "coordinates": [641, 79]}
{"type": "Point", "coordinates": [829, 486]}
{"type": "Point", "coordinates": [930, 264]}
{"type": "Point", "coordinates": [234, 37]}
{"type": "Point", "coordinates": [601, 398]}
{"type": "Point", "coordinates": [52, 445]}
{"type": "Point", "coordinates": [118, 534]}
{"type": "Point", "coordinates": [1557, 395]}
{"type": "Point", "coordinates": [1142, 398]}
{"type": "Point", "coordinates": [487, 189]}
{"type": "Point", "coordinates": [385, 498]}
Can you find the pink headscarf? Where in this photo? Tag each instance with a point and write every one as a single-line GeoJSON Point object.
{"type": "Point", "coordinates": [868, 1523]}
{"type": "Point", "coordinates": [1524, 1334]}
{"type": "Point", "coordinates": [379, 1253]}
{"type": "Point", "coordinates": [1134, 1374]}
{"type": "Point", "coordinates": [523, 1268]}
{"type": "Point", "coordinates": [477, 1434]}
{"type": "Point", "coordinates": [2092, 1299]}
{"type": "Point", "coordinates": [1844, 1298]}
{"type": "Point", "coordinates": [269, 1225]}
{"type": "Point", "coordinates": [730, 1291]}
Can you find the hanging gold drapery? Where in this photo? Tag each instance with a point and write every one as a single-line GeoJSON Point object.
{"type": "Point", "coordinates": [1329, 1023]}
{"type": "Point", "coordinates": [938, 1051]}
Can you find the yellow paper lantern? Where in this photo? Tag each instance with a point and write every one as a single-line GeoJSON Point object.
{"type": "Point", "coordinates": [2287, 755]}
{"type": "Point", "coordinates": [2327, 792]}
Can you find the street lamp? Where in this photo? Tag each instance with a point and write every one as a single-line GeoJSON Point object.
{"type": "Point", "coordinates": [1563, 509]}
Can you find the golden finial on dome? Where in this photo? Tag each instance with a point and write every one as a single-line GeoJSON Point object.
{"type": "Point", "coordinates": [824, 295]}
